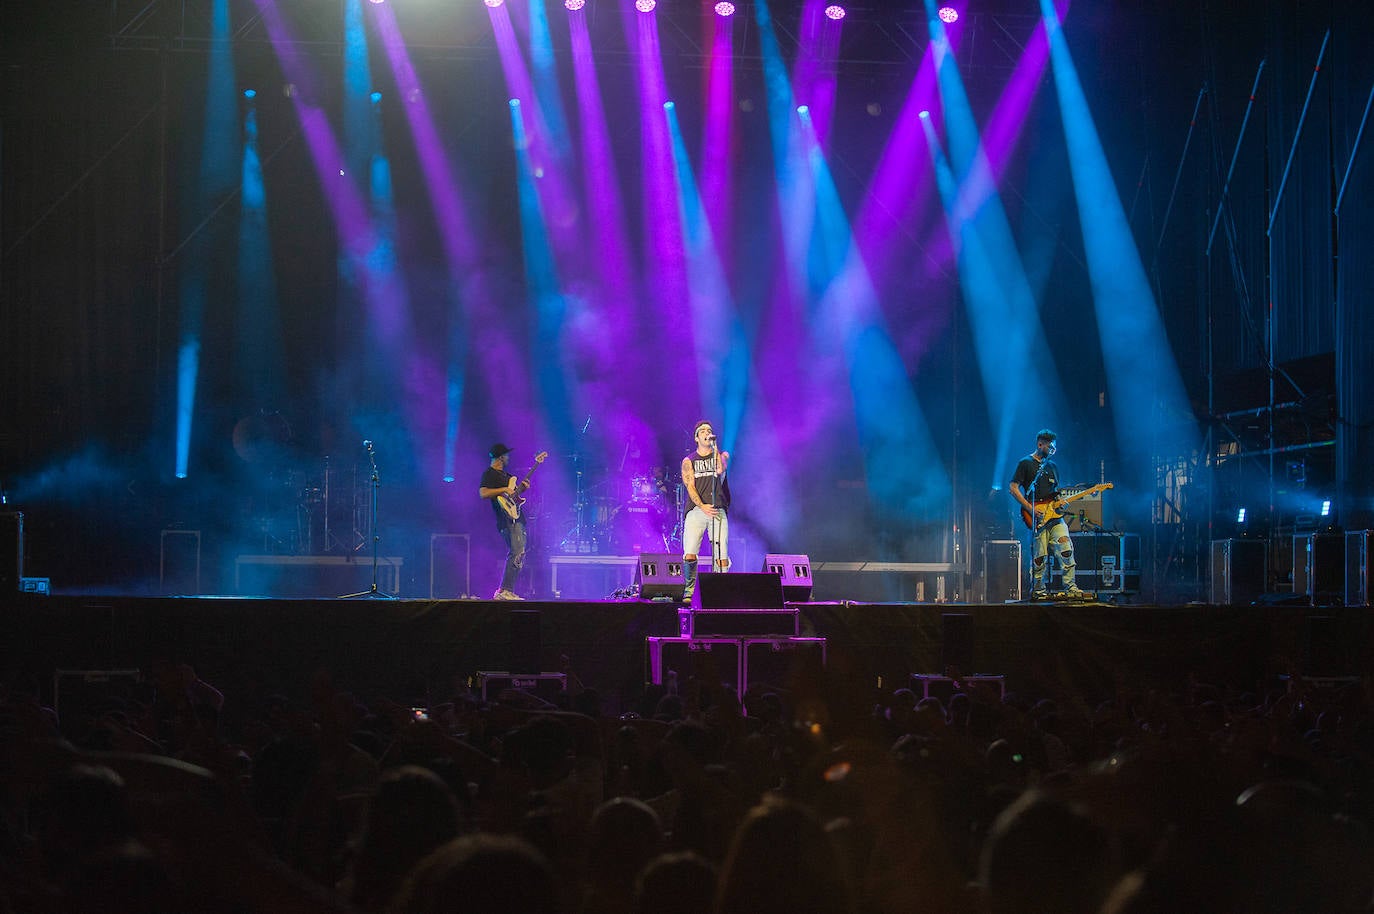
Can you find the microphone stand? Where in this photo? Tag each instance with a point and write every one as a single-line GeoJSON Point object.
{"type": "Point", "coordinates": [715, 503]}
{"type": "Point", "coordinates": [376, 483]}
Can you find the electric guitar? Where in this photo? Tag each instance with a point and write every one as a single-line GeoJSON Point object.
{"type": "Point", "coordinates": [1047, 512]}
{"type": "Point", "coordinates": [513, 503]}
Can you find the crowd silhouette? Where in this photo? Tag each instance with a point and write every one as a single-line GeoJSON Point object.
{"type": "Point", "coordinates": [167, 795]}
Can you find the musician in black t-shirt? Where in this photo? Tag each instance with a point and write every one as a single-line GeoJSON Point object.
{"type": "Point", "coordinates": [703, 475]}
{"type": "Point", "coordinates": [1035, 482]}
{"type": "Point", "coordinates": [503, 490]}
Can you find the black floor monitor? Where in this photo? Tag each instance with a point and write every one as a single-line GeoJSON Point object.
{"type": "Point", "coordinates": [741, 590]}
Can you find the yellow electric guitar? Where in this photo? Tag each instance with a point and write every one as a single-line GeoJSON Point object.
{"type": "Point", "coordinates": [513, 503]}
{"type": "Point", "coordinates": [1047, 512]}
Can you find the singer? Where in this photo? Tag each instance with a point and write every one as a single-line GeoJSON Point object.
{"type": "Point", "coordinates": [1035, 483]}
{"type": "Point", "coordinates": [703, 475]}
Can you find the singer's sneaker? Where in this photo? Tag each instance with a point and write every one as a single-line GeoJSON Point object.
{"type": "Point", "coordinates": [506, 595]}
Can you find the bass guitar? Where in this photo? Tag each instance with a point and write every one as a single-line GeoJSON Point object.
{"type": "Point", "coordinates": [1047, 512]}
{"type": "Point", "coordinates": [513, 503]}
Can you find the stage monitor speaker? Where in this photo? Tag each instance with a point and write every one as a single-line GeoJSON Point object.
{"type": "Point", "coordinates": [1240, 570]}
{"type": "Point", "coordinates": [11, 551]}
{"type": "Point", "coordinates": [956, 644]}
{"type": "Point", "coordinates": [795, 571]}
{"type": "Point", "coordinates": [741, 590]}
{"type": "Point", "coordinates": [659, 574]}
{"type": "Point", "coordinates": [526, 642]}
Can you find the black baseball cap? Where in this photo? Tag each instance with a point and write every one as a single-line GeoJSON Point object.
{"type": "Point", "coordinates": [498, 450]}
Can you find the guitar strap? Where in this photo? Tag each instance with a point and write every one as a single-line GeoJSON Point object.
{"type": "Point", "coordinates": [1035, 481]}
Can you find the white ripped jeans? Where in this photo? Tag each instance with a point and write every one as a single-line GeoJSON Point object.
{"type": "Point", "coordinates": [717, 530]}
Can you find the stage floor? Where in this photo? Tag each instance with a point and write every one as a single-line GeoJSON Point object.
{"type": "Point", "coordinates": [391, 647]}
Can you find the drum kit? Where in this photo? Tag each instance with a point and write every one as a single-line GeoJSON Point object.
{"type": "Point", "coordinates": [641, 513]}
{"type": "Point", "coordinates": [299, 510]}
{"type": "Point", "coordinates": [313, 512]}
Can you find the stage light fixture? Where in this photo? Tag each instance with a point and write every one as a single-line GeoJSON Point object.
{"type": "Point", "coordinates": [803, 110]}
{"type": "Point", "coordinates": [379, 1]}
{"type": "Point", "coordinates": [250, 93]}
{"type": "Point", "coordinates": [669, 106]}
{"type": "Point", "coordinates": [725, 8]}
{"type": "Point", "coordinates": [948, 14]}
{"type": "Point", "coordinates": [375, 97]}
{"type": "Point", "coordinates": [574, 4]}
{"type": "Point", "coordinates": [835, 11]}
{"type": "Point", "coordinates": [1326, 508]}
{"type": "Point", "coordinates": [645, 6]}
{"type": "Point", "coordinates": [493, 3]}
{"type": "Point", "coordinates": [1240, 516]}
{"type": "Point", "coordinates": [924, 115]}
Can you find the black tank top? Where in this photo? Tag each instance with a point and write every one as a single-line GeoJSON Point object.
{"type": "Point", "coordinates": [711, 489]}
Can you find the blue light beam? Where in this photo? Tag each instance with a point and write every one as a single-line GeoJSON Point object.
{"type": "Point", "coordinates": [1151, 411]}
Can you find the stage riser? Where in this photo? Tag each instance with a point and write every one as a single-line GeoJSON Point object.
{"type": "Point", "coordinates": [386, 648]}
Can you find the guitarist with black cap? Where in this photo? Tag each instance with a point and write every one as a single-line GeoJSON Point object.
{"type": "Point", "coordinates": [504, 492]}
{"type": "Point", "coordinates": [1035, 485]}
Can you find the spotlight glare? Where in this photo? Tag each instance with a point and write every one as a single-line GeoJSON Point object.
{"type": "Point", "coordinates": [375, 97]}
{"type": "Point", "coordinates": [646, 6]}
{"type": "Point", "coordinates": [574, 4]}
{"type": "Point", "coordinates": [924, 115]}
{"type": "Point", "coordinates": [448, 477]}
{"type": "Point", "coordinates": [803, 110]}
{"type": "Point", "coordinates": [1326, 508]}
{"type": "Point", "coordinates": [493, 3]}
{"type": "Point", "coordinates": [250, 93]}
{"type": "Point", "coordinates": [1240, 516]}
{"type": "Point", "coordinates": [725, 8]}
{"type": "Point", "coordinates": [378, 1]}
{"type": "Point", "coordinates": [835, 11]}
{"type": "Point", "coordinates": [669, 106]}
{"type": "Point", "coordinates": [948, 14]}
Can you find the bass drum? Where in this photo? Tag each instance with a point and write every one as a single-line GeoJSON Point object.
{"type": "Point", "coordinates": [640, 527]}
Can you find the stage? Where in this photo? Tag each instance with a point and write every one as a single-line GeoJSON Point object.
{"type": "Point", "coordinates": [407, 649]}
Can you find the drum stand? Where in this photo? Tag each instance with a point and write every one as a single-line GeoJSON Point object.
{"type": "Point", "coordinates": [577, 539]}
{"type": "Point", "coordinates": [376, 483]}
